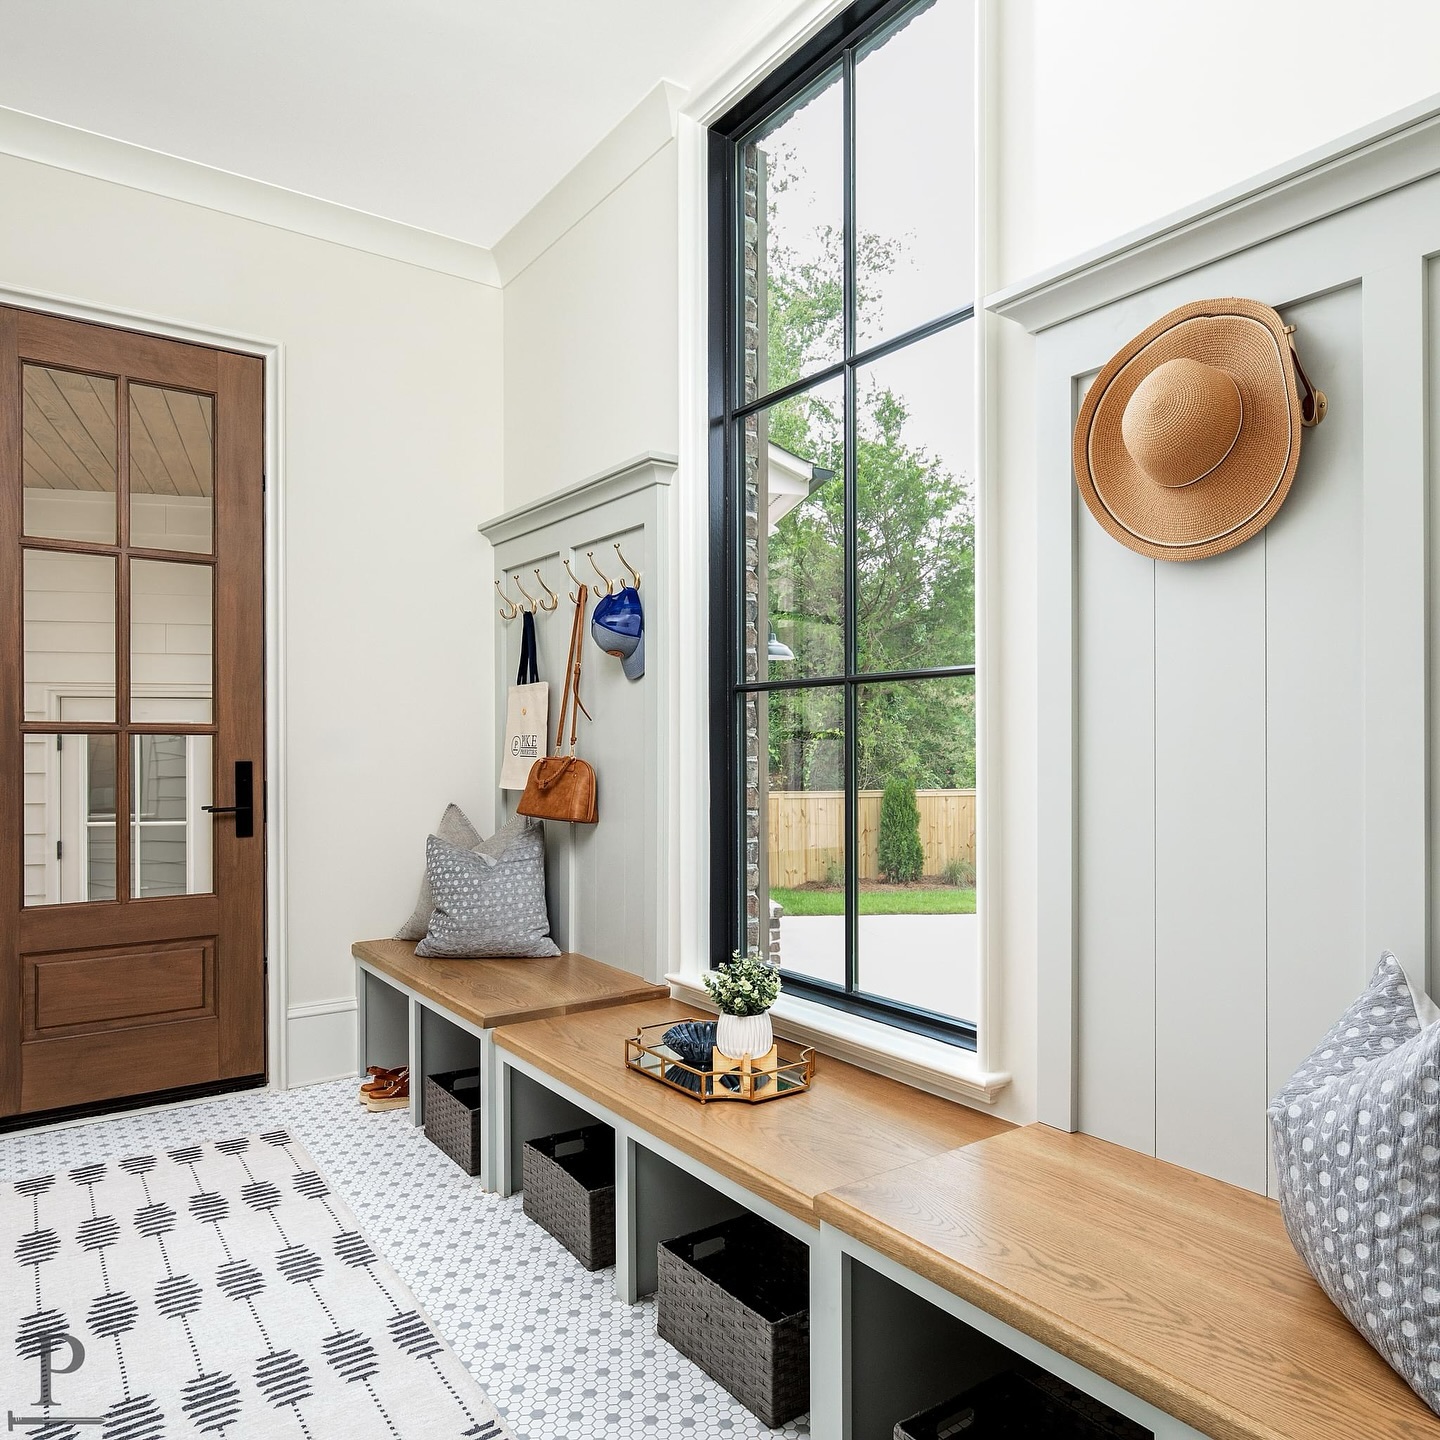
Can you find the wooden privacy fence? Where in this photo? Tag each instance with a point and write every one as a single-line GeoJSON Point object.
{"type": "Point", "coordinates": [807, 834]}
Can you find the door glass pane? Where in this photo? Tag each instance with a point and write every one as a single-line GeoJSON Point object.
{"type": "Point", "coordinates": [69, 633]}
{"type": "Point", "coordinates": [158, 786]}
{"type": "Point", "coordinates": [794, 824]}
{"type": "Point", "coordinates": [172, 469]}
{"type": "Point", "coordinates": [171, 850]}
{"type": "Point", "coordinates": [794, 540]}
{"type": "Point", "coordinates": [170, 640]}
{"type": "Point", "coordinates": [915, 540]}
{"type": "Point", "coordinates": [915, 171]}
{"type": "Point", "coordinates": [159, 861]}
{"type": "Point", "coordinates": [918, 933]}
{"type": "Point", "coordinates": [792, 250]}
{"type": "Point", "coordinates": [69, 818]}
{"type": "Point", "coordinates": [68, 455]}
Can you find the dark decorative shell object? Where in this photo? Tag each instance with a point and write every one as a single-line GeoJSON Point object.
{"type": "Point", "coordinates": [693, 1041]}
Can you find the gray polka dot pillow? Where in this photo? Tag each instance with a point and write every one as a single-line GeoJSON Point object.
{"type": "Point", "coordinates": [488, 905]}
{"type": "Point", "coordinates": [455, 829]}
{"type": "Point", "coordinates": [1356, 1132]}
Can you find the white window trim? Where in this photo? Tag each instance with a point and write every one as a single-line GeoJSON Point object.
{"type": "Point", "coordinates": [972, 1076]}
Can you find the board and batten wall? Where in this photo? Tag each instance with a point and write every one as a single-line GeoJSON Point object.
{"type": "Point", "coordinates": [1233, 753]}
{"type": "Point", "coordinates": [605, 882]}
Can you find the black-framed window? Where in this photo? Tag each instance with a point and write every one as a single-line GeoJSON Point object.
{"type": "Point", "coordinates": [843, 519]}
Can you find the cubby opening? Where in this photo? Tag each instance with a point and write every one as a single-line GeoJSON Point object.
{"type": "Point", "coordinates": [535, 1112]}
{"type": "Point", "coordinates": [386, 1040]}
{"type": "Point", "coordinates": [669, 1202]}
{"type": "Point", "coordinates": [907, 1355]}
{"type": "Point", "coordinates": [444, 1047]}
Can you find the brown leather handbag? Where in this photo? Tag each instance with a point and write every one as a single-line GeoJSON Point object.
{"type": "Point", "coordinates": [562, 787]}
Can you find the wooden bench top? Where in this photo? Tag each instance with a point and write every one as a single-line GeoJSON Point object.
{"type": "Point", "coordinates": [500, 992]}
{"type": "Point", "coordinates": [851, 1124]}
{"type": "Point", "coordinates": [1182, 1290]}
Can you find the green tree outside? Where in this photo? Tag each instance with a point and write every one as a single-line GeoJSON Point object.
{"type": "Point", "coordinates": [900, 852]}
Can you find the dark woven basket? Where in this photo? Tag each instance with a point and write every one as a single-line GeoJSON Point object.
{"type": "Point", "coordinates": [569, 1182]}
{"type": "Point", "coordinates": [452, 1116]}
{"type": "Point", "coordinates": [735, 1299]}
{"type": "Point", "coordinates": [1018, 1404]}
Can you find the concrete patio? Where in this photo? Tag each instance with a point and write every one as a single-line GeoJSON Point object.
{"type": "Point", "coordinates": [930, 961]}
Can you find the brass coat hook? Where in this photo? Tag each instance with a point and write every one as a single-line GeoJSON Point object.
{"type": "Point", "coordinates": [633, 571]}
{"type": "Point", "coordinates": [609, 584]}
{"type": "Point", "coordinates": [574, 597]}
{"type": "Point", "coordinates": [513, 611]}
{"type": "Point", "coordinates": [530, 599]}
{"type": "Point", "coordinates": [554, 598]}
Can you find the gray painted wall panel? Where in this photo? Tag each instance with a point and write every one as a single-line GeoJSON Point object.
{"type": "Point", "coordinates": [1285, 696]}
{"type": "Point", "coordinates": [1116, 840]}
{"type": "Point", "coordinates": [1210, 864]}
{"type": "Point", "coordinates": [1314, 718]}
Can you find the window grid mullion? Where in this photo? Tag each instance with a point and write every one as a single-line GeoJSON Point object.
{"type": "Point", "coordinates": [859, 677]}
{"type": "Point", "coordinates": [871, 355]}
{"type": "Point", "coordinates": [851, 449]}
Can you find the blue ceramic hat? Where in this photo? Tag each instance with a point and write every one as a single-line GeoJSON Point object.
{"type": "Point", "coordinates": [618, 627]}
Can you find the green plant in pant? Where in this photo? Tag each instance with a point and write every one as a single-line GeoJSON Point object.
{"type": "Point", "coordinates": [901, 854]}
{"type": "Point", "coordinates": [743, 985]}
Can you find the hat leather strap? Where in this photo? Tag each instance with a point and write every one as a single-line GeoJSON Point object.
{"type": "Point", "coordinates": [1313, 404]}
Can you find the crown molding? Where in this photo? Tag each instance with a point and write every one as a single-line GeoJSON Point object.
{"type": "Point", "coordinates": [766, 46]}
{"type": "Point", "coordinates": [638, 473]}
{"type": "Point", "coordinates": [652, 124]}
{"type": "Point", "coordinates": [101, 157]}
{"type": "Point", "coordinates": [1383, 156]}
{"type": "Point", "coordinates": [644, 131]}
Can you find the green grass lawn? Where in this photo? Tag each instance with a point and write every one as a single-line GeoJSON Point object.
{"type": "Point", "coordinates": [880, 900]}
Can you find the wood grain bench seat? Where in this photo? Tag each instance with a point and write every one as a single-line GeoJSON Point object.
{"type": "Point", "coordinates": [1180, 1289]}
{"type": "Point", "coordinates": [499, 992]}
{"type": "Point", "coordinates": [851, 1124]}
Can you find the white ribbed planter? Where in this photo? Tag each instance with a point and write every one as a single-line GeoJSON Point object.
{"type": "Point", "coordinates": [739, 1035]}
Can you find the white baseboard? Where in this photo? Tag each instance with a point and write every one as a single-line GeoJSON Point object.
{"type": "Point", "coordinates": [319, 1042]}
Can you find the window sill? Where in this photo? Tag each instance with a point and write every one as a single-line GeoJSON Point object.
{"type": "Point", "coordinates": [912, 1059]}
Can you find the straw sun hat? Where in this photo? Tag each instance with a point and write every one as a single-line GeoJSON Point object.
{"type": "Point", "coordinates": [1188, 440]}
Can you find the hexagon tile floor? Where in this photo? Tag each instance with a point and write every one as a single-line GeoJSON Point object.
{"type": "Point", "coordinates": [548, 1342]}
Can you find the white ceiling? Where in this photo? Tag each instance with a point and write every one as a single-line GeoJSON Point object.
{"type": "Point", "coordinates": [452, 115]}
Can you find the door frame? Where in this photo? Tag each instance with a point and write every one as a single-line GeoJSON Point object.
{"type": "Point", "coordinates": [272, 353]}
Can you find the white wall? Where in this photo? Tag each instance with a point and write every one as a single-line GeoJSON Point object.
{"type": "Point", "coordinates": [1116, 112]}
{"type": "Point", "coordinates": [591, 339]}
{"type": "Point", "coordinates": [392, 453]}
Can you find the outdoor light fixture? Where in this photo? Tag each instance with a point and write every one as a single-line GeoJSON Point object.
{"type": "Point", "coordinates": [775, 650]}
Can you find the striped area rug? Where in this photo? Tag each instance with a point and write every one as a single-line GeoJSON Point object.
{"type": "Point", "coordinates": [219, 1288]}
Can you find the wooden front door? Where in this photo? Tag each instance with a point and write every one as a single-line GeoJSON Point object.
{"type": "Point", "coordinates": [132, 924]}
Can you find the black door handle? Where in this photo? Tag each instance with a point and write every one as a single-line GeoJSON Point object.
{"type": "Point", "coordinates": [244, 807]}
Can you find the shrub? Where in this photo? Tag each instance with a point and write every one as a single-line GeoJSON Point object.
{"type": "Point", "coordinates": [901, 855]}
{"type": "Point", "coordinates": [960, 874]}
{"type": "Point", "coordinates": [743, 984]}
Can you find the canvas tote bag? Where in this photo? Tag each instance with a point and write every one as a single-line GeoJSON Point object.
{"type": "Point", "coordinates": [562, 787]}
{"type": "Point", "coordinates": [527, 718]}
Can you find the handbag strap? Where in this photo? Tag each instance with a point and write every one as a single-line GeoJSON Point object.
{"type": "Point", "coordinates": [529, 672]}
{"type": "Point", "coordinates": [572, 677]}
